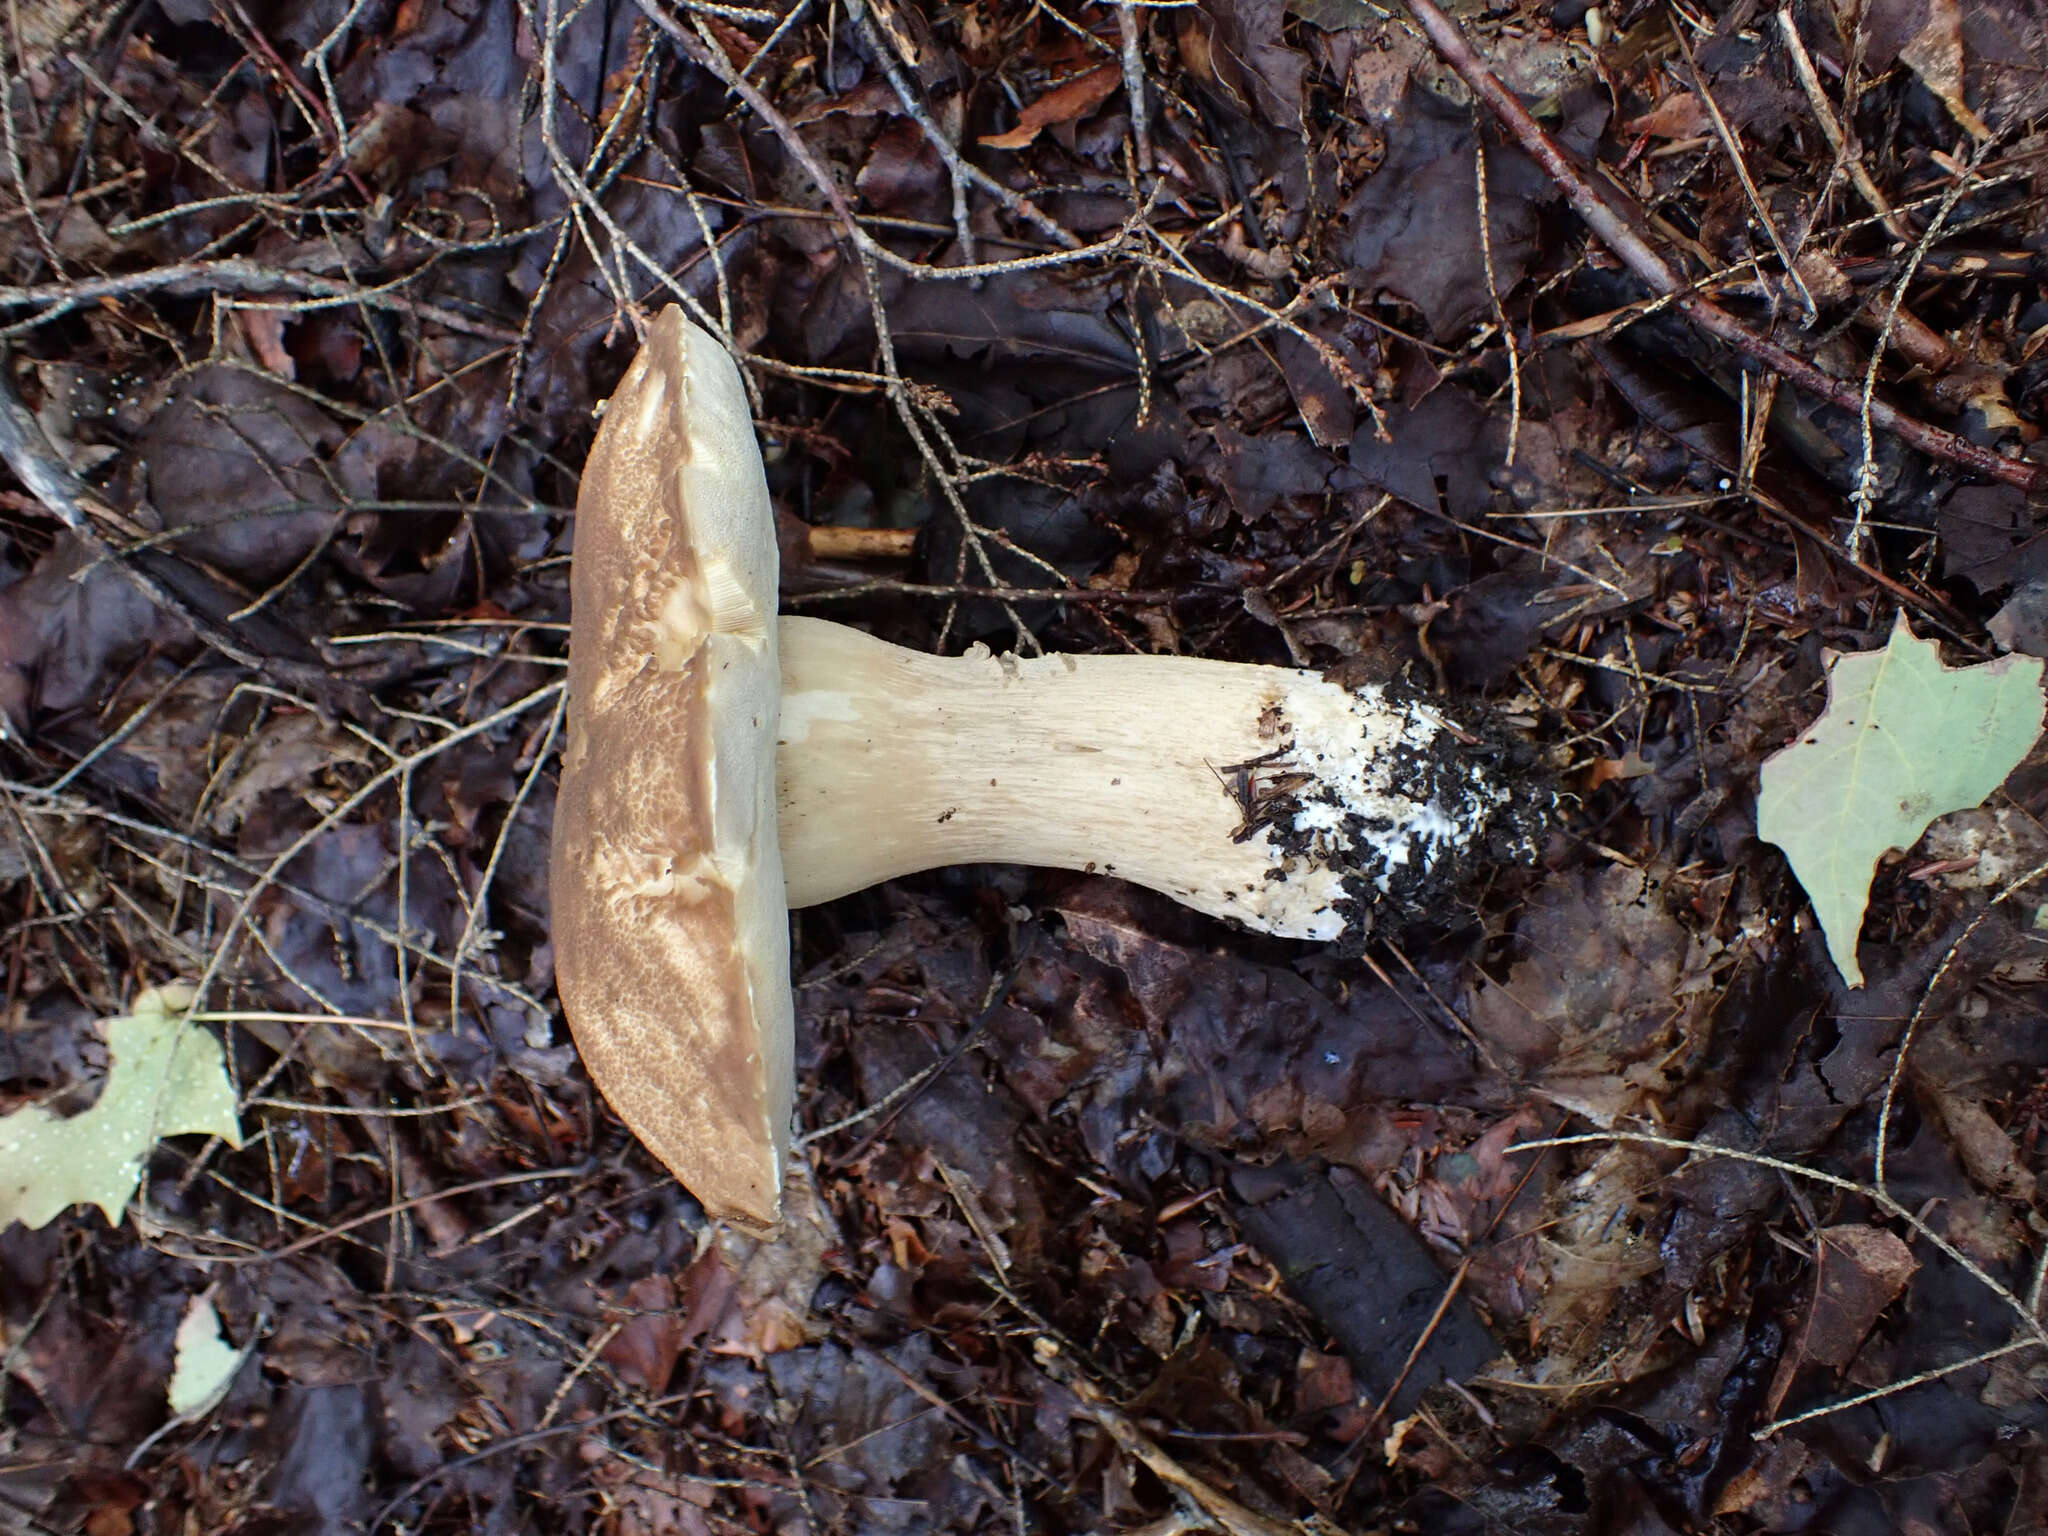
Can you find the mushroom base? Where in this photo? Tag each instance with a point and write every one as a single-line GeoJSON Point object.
{"type": "Point", "coordinates": [1261, 794]}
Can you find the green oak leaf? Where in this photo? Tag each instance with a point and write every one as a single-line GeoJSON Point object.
{"type": "Point", "coordinates": [166, 1077]}
{"type": "Point", "coordinates": [1903, 740]}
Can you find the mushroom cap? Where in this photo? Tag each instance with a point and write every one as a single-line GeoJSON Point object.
{"type": "Point", "coordinates": [670, 925]}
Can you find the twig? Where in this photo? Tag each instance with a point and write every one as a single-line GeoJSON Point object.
{"type": "Point", "coordinates": [1824, 114]}
{"type": "Point", "coordinates": [1866, 471]}
{"type": "Point", "coordinates": [1149, 597]}
{"type": "Point", "coordinates": [520, 1441]}
{"type": "Point", "coordinates": [1231, 1516]}
{"type": "Point", "coordinates": [234, 275]}
{"type": "Point", "coordinates": [399, 1207]}
{"type": "Point", "coordinates": [957, 165]}
{"type": "Point", "coordinates": [1652, 269]}
{"type": "Point", "coordinates": [957, 170]}
{"type": "Point", "coordinates": [1892, 1389]}
{"type": "Point", "coordinates": [773, 40]}
{"type": "Point", "coordinates": [713, 59]}
{"type": "Point", "coordinates": [26, 451]}
{"type": "Point", "coordinates": [1443, 1305]}
{"type": "Point", "coordinates": [1500, 314]}
{"type": "Point", "coordinates": [2035, 1330]}
{"type": "Point", "coordinates": [1729, 142]}
{"type": "Point", "coordinates": [904, 1094]}
{"type": "Point", "coordinates": [1133, 55]}
{"type": "Point", "coordinates": [1898, 1071]}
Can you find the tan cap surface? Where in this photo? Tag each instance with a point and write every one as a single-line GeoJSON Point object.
{"type": "Point", "coordinates": [670, 926]}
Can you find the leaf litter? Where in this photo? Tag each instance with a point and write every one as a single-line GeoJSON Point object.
{"type": "Point", "coordinates": [1283, 338]}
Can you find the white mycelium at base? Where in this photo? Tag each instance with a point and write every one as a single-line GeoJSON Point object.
{"type": "Point", "coordinates": [1392, 797]}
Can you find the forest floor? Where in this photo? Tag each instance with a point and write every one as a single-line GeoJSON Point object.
{"type": "Point", "coordinates": [1599, 372]}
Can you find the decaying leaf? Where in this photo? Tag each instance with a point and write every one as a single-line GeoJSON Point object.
{"type": "Point", "coordinates": [1903, 740]}
{"type": "Point", "coordinates": [1935, 54]}
{"type": "Point", "coordinates": [167, 1078]}
{"type": "Point", "coordinates": [1599, 998]}
{"type": "Point", "coordinates": [1065, 103]}
{"type": "Point", "coordinates": [1858, 1271]}
{"type": "Point", "coordinates": [650, 1338]}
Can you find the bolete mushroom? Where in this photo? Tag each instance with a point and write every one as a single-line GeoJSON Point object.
{"type": "Point", "coordinates": [723, 765]}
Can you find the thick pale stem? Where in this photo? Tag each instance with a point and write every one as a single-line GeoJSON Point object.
{"type": "Point", "coordinates": [1258, 793]}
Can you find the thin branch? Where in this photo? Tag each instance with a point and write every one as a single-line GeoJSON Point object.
{"type": "Point", "coordinates": [1652, 269]}
{"type": "Point", "coordinates": [234, 275]}
{"type": "Point", "coordinates": [27, 451]}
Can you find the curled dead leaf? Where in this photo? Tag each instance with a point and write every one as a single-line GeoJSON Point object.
{"type": "Point", "coordinates": [1068, 102]}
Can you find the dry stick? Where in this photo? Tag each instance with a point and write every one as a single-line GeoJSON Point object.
{"type": "Point", "coordinates": [1500, 314]}
{"type": "Point", "coordinates": [579, 1426]}
{"type": "Point", "coordinates": [832, 542]}
{"type": "Point", "coordinates": [396, 1208]}
{"type": "Point", "coordinates": [1148, 597]}
{"type": "Point", "coordinates": [915, 422]}
{"type": "Point", "coordinates": [2037, 1332]}
{"type": "Point", "coordinates": [234, 275]}
{"type": "Point", "coordinates": [1898, 1071]}
{"type": "Point", "coordinates": [1729, 142]}
{"type": "Point", "coordinates": [704, 51]}
{"type": "Point", "coordinates": [1616, 233]}
{"type": "Point", "coordinates": [1133, 58]}
{"type": "Point", "coordinates": [565, 230]}
{"type": "Point", "coordinates": [1865, 497]}
{"type": "Point", "coordinates": [498, 846]}
{"type": "Point", "coordinates": [774, 39]}
{"type": "Point", "coordinates": [709, 57]}
{"type": "Point", "coordinates": [17, 164]}
{"type": "Point", "coordinates": [1228, 1514]}
{"type": "Point", "coordinates": [1824, 114]}
{"type": "Point", "coordinates": [959, 168]}
{"type": "Point", "coordinates": [956, 167]}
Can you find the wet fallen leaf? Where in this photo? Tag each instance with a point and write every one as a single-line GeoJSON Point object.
{"type": "Point", "coordinates": [1596, 1003]}
{"type": "Point", "coordinates": [1064, 103]}
{"type": "Point", "coordinates": [650, 1339]}
{"type": "Point", "coordinates": [1903, 740]}
{"type": "Point", "coordinates": [1935, 54]}
{"type": "Point", "coordinates": [166, 1079]}
{"type": "Point", "coordinates": [1985, 1147]}
{"type": "Point", "coordinates": [291, 749]}
{"type": "Point", "coordinates": [1858, 1271]}
{"type": "Point", "coordinates": [1413, 227]}
{"type": "Point", "coordinates": [236, 462]}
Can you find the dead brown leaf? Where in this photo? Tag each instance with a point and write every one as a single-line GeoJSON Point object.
{"type": "Point", "coordinates": [1065, 103]}
{"type": "Point", "coordinates": [649, 1342]}
{"type": "Point", "coordinates": [1595, 1008]}
{"type": "Point", "coordinates": [1858, 1271]}
{"type": "Point", "coordinates": [1935, 54]}
{"type": "Point", "coordinates": [264, 329]}
{"type": "Point", "coordinates": [1985, 1147]}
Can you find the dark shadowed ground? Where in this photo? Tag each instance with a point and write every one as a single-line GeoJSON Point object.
{"type": "Point", "coordinates": [1238, 329]}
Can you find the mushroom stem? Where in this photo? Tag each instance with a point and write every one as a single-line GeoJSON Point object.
{"type": "Point", "coordinates": [1264, 794]}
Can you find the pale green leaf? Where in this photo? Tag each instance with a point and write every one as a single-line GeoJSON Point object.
{"type": "Point", "coordinates": [1903, 740]}
{"type": "Point", "coordinates": [165, 1078]}
{"type": "Point", "coordinates": [204, 1363]}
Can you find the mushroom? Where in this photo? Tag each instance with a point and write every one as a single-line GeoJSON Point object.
{"type": "Point", "coordinates": [723, 765]}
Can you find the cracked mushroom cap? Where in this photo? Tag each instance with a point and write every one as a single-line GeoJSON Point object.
{"type": "Point", "coordinates": [669, 919]}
